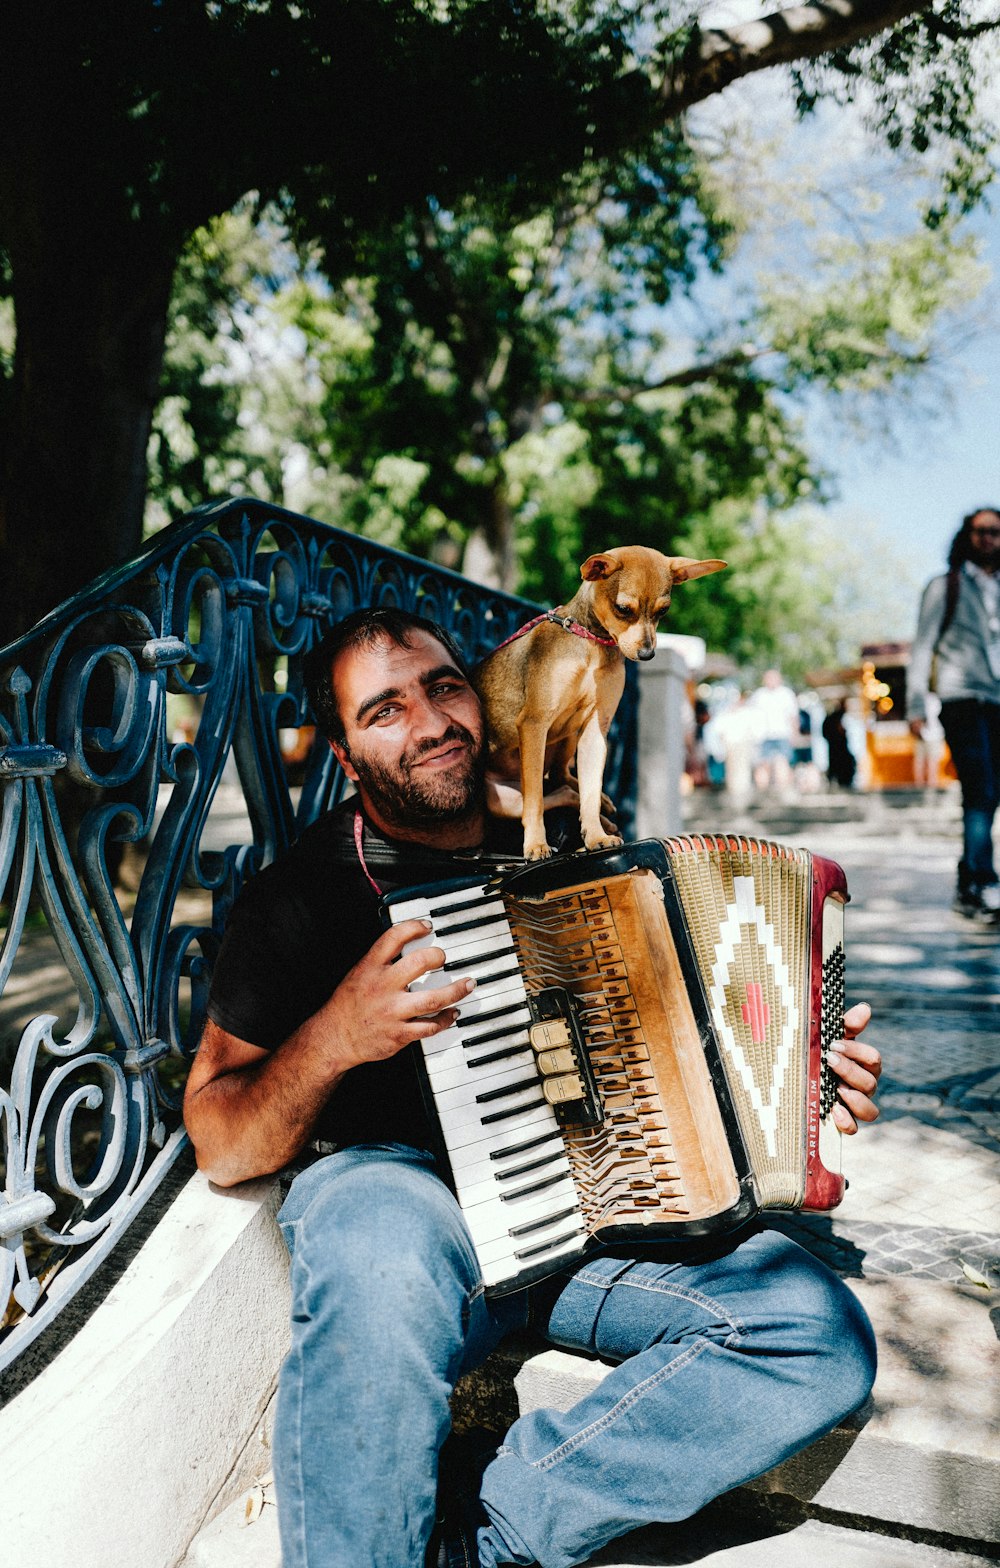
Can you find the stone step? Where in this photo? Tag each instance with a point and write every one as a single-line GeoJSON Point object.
{"type": "Point", "coordinates": [246, 1536]}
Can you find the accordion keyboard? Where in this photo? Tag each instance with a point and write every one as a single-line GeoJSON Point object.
{"type": "Point", "coordinates": [511, 1173]}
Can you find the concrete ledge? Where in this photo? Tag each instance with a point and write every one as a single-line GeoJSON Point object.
{"type": "Point", "coordinates": [115, 1453]}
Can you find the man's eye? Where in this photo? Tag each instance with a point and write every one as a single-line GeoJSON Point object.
{"type": "Point", "coordinates": [446, 689]}
{"type": "Point", "coordinates": [387, 712]}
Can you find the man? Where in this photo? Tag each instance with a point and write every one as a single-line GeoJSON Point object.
{"type": "Point", "coordinates": [957, 654]}
{"type": "Point", "coordinates": [727, 1363]}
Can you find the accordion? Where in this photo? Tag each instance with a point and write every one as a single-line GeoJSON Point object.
{"type": "Point", "coordinates": [643, 1057]}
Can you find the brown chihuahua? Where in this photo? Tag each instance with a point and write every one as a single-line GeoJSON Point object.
{"type": "Point", "coordinates": [551, 691]}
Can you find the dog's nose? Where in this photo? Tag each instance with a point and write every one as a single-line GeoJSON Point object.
{"type": "Point", "coordinates": [647, 653]}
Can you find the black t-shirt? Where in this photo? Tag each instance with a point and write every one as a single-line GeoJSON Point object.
{"type": "Point", "coordinates": [302, 923]}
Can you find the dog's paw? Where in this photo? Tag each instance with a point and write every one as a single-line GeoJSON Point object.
{"type": "Point", "coordinates": [540, 851]}
{"type": "Point", "coordinates": [602, 841]}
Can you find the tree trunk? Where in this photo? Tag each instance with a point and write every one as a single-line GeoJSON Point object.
{"type": "Point", "coordinates": [91, 312]}
{"type": "Point", "coordinates": [490, 556]}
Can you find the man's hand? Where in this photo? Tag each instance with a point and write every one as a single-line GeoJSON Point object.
{"type": "Point", "coordinates": [372, 1015]}
{"type": "Point", "coordinates": [859, 1067]}
{"type": "Point", "coordinates": [917, 727]}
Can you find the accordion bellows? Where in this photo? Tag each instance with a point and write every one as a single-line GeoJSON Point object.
{"type": "Point", "coordinates": [691, 987]}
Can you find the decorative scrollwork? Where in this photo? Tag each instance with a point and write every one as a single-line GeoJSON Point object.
{"type": "Point", "coordinates": [145, 775]}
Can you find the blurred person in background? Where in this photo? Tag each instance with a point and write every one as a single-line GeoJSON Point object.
{"type": "Point", "coordinates": [956, 654]}
{"type": "Point", "coordinates": [842, 766]}
{"type": "Point", "coordinates": [775, 710]}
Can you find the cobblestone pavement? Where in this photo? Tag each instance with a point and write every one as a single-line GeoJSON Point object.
{"type": "Point", "coordinates": [924, 1195]}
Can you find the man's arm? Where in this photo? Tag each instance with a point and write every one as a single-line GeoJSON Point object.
{"type": "Point", "coordinates": [859, 1067]}
{"type": "Point", "coordinates": [918, 672]}
{"type": "Point", "coordinates": [250, 1111]}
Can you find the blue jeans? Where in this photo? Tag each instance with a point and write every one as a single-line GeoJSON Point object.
{"type": "Point", "coordinates": [725, 1366]}
{"type": "Point", "coordinates": [972, 730]}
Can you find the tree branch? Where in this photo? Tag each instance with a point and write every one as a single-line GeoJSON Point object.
{"type": "Point", "coordinates": [718, 56]}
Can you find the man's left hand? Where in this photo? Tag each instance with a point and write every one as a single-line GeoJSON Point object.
{"type": "Point", "coordinates": [859, 1067]}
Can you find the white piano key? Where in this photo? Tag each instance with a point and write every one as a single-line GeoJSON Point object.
{"type": "Point", "coordinates": [491, 1174]}
{"type": "Point", "coordinates": [470, 1028]}
{"type": "Point", "coordinates": [501, 1251]}
{"type": "Point", "coordinates": [493, 1221]}
{"type": "Point", "coordinates": [531, 1116]}
{"type": "Point", "coordinates": [490, 1190]}
{"type": "Point", "coordinates": [501, 1076]}
{"type": "Point", "coordinates": [448, 1069]}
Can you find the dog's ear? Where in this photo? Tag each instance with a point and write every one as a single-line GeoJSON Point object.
{"type": "Point", "coordinates": [683, 568]}
{"type": "Point", "coordinates": [596, 566]}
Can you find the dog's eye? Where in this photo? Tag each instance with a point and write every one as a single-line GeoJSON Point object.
{"type": "Point", "coordinates": [625, 611]}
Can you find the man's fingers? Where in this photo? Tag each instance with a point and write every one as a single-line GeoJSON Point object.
{"type": "Point", "coordinates": [852, 1107]}
{"type": "Point", "coordinates": [425, 1004]}
{"type": "Point", "coordinates": [856, 1018]}
{"type": "Point", "coordinates": [852, 1073]}
{"type": "Point", "coordinates": [390, 944]}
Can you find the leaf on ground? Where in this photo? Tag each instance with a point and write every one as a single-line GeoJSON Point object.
{"type": "Point", "coordinates": [976, 1275]}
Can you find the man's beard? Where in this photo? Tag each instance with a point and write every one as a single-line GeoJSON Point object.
{"type": "Point", "coordinates": [405, 799]}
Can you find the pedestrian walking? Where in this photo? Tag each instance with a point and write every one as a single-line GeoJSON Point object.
{"type": "Point", "coordinates": [841, 766]}
{"type": "Point", "coordinates": [956, 654]}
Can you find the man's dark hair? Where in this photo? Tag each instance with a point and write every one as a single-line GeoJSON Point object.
{"type": "Point", "coordinates": [961, 545]}
{"type": "Point", "coordinates": [960, 550]}
{"type": "Point", "coordinates": [363, 629]}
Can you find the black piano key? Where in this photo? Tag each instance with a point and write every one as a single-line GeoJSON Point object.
{"type": "Point", "coordinates": [547, 1246]}
{"type": "Point", "coordinates": [454, 909]}
{"type": "Point", "coordinates": [518, 1004]}
{"type": "Point", "coordinates": [513, 1110]}
{"type": "Point", "coordinates": [472, 1040]}
{"type": "Point", "coordinates": [531, 1165]}
{"type": "Point", "coordinates": [533, 1186]}
{"type": "Point", "coordinates": [552, 1134]}
{"type": "Point", "coordinates": [473, 961]}
{"type": "Point", "coordinates": [547, 1219]}
{"type": "Point", "coordinates": [497, 1056]}
{"type": "Point", "coordinates": [507, 1089]}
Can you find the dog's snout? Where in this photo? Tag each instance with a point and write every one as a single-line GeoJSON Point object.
{"type": "Point", "coordinates": [647, 651]}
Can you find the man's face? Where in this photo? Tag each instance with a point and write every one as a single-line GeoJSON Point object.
{"type": "Point", "coordinates": [984, 537]}
{"type": "Point", "coordinates": [413, 730]}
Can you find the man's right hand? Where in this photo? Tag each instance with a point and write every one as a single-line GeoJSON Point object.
{"type": "Point", "coordinates": [250, 1111]}
{"type": "Point", "coordinates": [372, 1014]}
{"type": "Point", "coordinates": [917, 727]}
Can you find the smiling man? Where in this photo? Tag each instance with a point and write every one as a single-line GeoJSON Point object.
{"type": "Point", "coordinates": [727, 1359]}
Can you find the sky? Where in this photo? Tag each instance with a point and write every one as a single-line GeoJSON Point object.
{"type": "Point", "coordinates": [914, 494]}
{"type": "Point", "coordinates": [898, 498]}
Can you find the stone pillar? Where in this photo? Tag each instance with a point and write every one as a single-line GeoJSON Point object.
{"type": "Point", "coordinates": [662, 716]}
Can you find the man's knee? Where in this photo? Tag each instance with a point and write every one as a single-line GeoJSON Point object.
{"type": "Point", "coordinates": [378, 1235]}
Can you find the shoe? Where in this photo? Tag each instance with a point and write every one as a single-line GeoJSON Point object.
{"type": "Point", "coordinates": [979, 903]}
{"type": "Point", "coordinates": [966, 902]}
{"type": "Point", "coordinates": [453, 1541]}
{"type": "Point", "coordinates": [460, 1513]}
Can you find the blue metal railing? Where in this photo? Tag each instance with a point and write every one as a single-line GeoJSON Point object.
{"type": "Point", "coordinates": [154, 753]}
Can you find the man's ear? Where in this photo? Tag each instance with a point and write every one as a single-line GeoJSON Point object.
{"type": "Point", "coordinates": [683, 568]}
{"type": "Point", "coordinates": [343, 757]}
{"type": "Point", "coordinates": [597, 566]}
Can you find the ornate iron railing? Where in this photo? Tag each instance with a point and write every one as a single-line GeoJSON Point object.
{"type": "Point", "coordinates": [154, 752]}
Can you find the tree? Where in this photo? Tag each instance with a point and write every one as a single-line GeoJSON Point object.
{"type": "Point", "coordinates": [130, 124]}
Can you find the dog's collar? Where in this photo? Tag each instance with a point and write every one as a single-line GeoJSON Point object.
{"type": "Point", "coordinates": [568, 625]}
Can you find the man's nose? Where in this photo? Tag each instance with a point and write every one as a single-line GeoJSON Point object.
{"type": "Point", "coordinates": [427, 717]}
